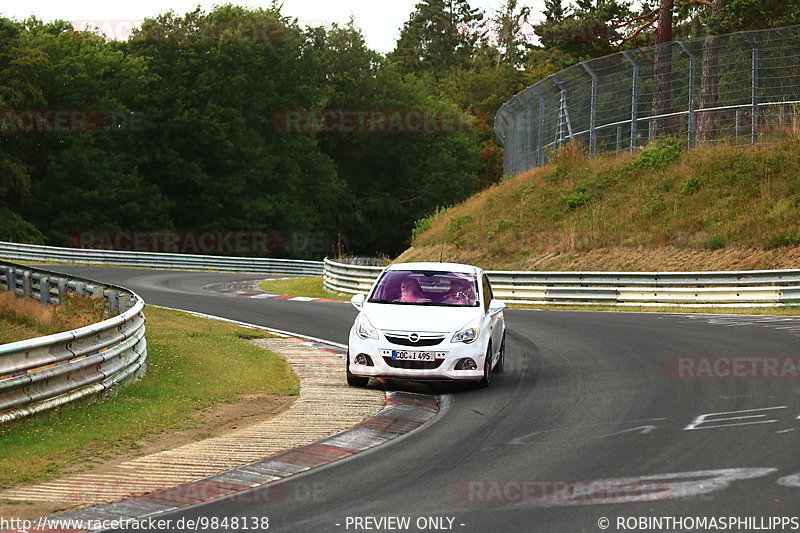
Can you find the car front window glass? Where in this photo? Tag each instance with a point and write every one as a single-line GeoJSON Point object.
{"type": "Point", "coordinates": [423, 287]}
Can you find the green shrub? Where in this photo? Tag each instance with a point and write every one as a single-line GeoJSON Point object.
{"type": "Point", "coordinates": [660, 153]}
{"type": "Point", "coordinates": [691, 185]}
{"type": "Point", "coordinates": [715, 242]}
{"type": "Point", "coordinates": [456, 229]}
{"type": "Point", "coordinates": [576, 199]}
{"type": "Point", "coordinates": [784, 239]}
{"type": "Point", "coordinates": [421, 225]}
{"type": "Point", "coordinates": [794, 188]}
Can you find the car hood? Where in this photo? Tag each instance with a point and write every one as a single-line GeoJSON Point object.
{"type": "Point", "coordinates": [419, 317]}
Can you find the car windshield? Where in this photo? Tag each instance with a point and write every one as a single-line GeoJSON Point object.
{"type": "Point", "coordinates": [423, 287]}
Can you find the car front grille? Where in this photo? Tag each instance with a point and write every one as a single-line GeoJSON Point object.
{"type": "Point", "coordinates": [413, 365]}
{"type": "Point", "coordinates": [404, 339]}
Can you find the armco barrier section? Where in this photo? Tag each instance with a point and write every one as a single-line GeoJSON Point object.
{"type": "Point", "coordinates": [755, 288]}
{"type": "Point", "coordinates": [46, 372]}
{"type": "Point", "coordinates": [258, 265]}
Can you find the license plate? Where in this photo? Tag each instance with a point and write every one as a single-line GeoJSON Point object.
{"type": "Point", "coordinates": [410, 355]}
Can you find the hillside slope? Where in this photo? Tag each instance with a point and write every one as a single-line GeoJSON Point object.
{"type": "Point", "coordinates": [717, 207]}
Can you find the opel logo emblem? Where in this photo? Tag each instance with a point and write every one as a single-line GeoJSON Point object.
{"type": "Point", "coordinates": [413, 337]}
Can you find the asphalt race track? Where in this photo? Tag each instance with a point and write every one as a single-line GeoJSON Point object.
{"type": "Point", "coordinates": [597, 416]}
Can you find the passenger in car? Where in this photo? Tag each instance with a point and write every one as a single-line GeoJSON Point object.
{"type": "Point", "coordinates": [461, 292]}
{"type": "Point", "coordinates": [411, 291]}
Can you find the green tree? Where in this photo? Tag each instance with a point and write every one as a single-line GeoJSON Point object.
{"type": "Point", "coordinates": [590, 28]}
{"type": "Point", "coordinates": [438, 35]}
{"type": "Point", "coordinates": [509, 26]}
{"type": "Point", "coordinates": [220, 150]}
{"type": "Point", "coordinates": [393, 177]}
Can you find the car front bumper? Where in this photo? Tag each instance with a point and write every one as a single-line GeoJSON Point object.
{"type": "Point", "coordinates": [444, 370]}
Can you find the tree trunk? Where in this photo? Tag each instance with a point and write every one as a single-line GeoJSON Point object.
{"type": "Point", "coordinates": [662, 69]}
{"type": "Point", "coordinates": [709, 78]}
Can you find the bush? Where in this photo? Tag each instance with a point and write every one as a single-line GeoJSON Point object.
{"type": "Point", "coordinates": [794, 188]}
{"type": "Point", "coordinates": [660, 153]}
{"type": "Point", "coordinates": [691, 186]}
{"type": "Point", "coordinates": [784, 239]}
{"type": "Point", "coordinates": [455, 229]}
{"type": "Point", "coordinates": [715, 242]}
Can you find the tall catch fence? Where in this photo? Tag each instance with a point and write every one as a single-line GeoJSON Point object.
{"type": "Point", "coordinates": [735, 87]}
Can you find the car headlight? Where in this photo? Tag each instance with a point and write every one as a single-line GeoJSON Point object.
{"type": "Point", "coordinates": [467, 334]}
{"type": "Point", "coordinates": [364, 329]}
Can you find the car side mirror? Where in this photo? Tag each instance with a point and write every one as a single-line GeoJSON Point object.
{"type": "Point", "coordinates": [358, 301]}
{"type": "Point", "coordinates": [495, 306]}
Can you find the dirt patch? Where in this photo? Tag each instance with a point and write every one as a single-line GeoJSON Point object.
{"type": "Point", "coordinates": [247, 410]}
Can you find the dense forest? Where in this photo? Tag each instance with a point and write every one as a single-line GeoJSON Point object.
{"type": "Point", "coordinates": [241, 120]}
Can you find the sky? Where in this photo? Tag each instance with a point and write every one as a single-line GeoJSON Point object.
{"type": "Point", "coordinates": [380, 20]}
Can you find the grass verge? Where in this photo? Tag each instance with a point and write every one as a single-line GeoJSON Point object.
{"type": "Point", "coordinates": [193, 363]}
{"type": "Point", "coordinates": [307, 287]}
{"type": "Point", "coordinates": [716, 207]}
{"type": "Point", "coordinates": [25, 319]}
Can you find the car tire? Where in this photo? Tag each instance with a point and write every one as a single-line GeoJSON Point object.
{"type": "Point", "coordinates": [354, 381]}
{"type": "Point", "coordinates": [487, 368]}
{"type": "Point", "coordinates": [501, 361]}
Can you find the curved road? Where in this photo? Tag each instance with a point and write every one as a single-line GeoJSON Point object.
{"type": "Point", "coordinates": [598, 416]}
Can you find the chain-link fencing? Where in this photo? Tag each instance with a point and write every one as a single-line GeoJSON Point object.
{"type": "Point", "coordinates": [739, 87]}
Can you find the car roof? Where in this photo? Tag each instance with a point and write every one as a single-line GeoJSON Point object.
{"type": "Point", "coordinates": [439, 267]}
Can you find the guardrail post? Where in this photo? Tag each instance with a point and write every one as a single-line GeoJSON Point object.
{"type": "Point", "coordinates": [113, 302]}
{"type": "Point", "coordinates": [592, 109]}
{"type": "Point", "coordinates": [692, 127]}
{"type": "Point", "coordinates": [753, 86]}
{"type": "Point", "coordinates": [634, 96]}
{"type": "Point", "coordinates": [10, 281]}
{"type": "Point", "coordinates": [63, 289]}
{"type": "Point", "coordinates": [26, 284]}
{"type": "Point", "coordinates": [44, 290]}
{"type": "Point", "coordinates": [123, 299]}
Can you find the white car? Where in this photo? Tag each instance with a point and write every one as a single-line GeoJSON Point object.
{"type": "Point", "coordinates": [427, 321]}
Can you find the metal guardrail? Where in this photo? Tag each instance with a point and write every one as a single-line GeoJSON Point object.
{"type": "Point", "coordinates": [755, 288]}
{"type": "Point", "coordinates": [45, 372]}
{"type": "Point", "coordinates": [737, 87]}
{"type": "Point", "coordinates": [258, 265]}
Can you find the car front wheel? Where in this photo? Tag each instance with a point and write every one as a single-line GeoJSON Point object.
{"type": "Point", "coordinates": [501, 359]}
{"type": "Point", "coordinates": [487, 368]}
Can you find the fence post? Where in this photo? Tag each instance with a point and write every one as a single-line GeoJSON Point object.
{"type": "Point", "coordinates": [692, 127]}
{"type": "Point", "coordinates": [540, 129]}
{"type": "Point", "coordinates": [634, 96]}
{"type": "Point", "coordinates": [753, 86]}
{"type": "Point", "coordinates": [592, 109]}
{"type": "Point", "coordinates": [563, 112]}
